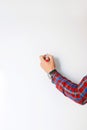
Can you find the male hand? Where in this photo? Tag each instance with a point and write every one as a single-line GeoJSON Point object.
{"type": "Point", "coordinates": [47, 65]}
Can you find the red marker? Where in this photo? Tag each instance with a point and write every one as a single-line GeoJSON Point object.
{"type": "Point", "coordinates": [46, 57]}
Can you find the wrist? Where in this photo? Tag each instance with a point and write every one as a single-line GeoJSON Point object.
{"type": "Point", "coordinates": [51, 69]}
{"type": "Point", "coordinates": [51, 73]}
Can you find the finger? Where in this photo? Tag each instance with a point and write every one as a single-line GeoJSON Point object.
{"type": "Point", "coordinates": [51, 57]}
{"type": "Point", "coordinates": [47, 59]}
{"type": "Point", "coordinates": [41, 58]}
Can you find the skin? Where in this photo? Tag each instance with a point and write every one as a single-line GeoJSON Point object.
{"type": "Point", "coordinates": [47, 66]}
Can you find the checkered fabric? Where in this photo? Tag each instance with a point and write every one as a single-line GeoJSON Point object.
{"type": "Point", "coordinates": [76, 92]}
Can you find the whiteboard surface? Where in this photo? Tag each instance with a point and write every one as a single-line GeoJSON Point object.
{"type": "Point", "coordinates": [29, 28]}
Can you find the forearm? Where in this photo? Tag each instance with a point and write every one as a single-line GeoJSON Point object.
{"type": "Point", "coordinates": [76, 92]}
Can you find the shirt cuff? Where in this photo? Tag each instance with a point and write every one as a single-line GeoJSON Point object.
{"type": "Point", "coordinates": [54, 75]}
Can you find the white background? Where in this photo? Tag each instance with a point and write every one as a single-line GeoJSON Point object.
{"type": "Point", "coordinates": [29, 28]}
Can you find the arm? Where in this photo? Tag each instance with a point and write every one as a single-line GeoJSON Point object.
{"type": "Point", "coordinates": [76, 92]}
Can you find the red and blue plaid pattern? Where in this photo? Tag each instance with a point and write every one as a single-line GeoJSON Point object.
{"type": "Point", "coordinates": [76, 92]}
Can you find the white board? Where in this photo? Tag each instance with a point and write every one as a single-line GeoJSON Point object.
{"type": "Point", "coordinates": [28, 29]}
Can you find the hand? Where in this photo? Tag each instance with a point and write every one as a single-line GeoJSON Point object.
{"type": "Point", "coordinates": [49, 65]}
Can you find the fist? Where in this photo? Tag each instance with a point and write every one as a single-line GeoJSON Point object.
{"type": "Point", "coordinates": [47, 63]}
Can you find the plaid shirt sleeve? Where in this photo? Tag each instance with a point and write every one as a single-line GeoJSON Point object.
{"type": "Point", "coordinates": [76, 92]}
